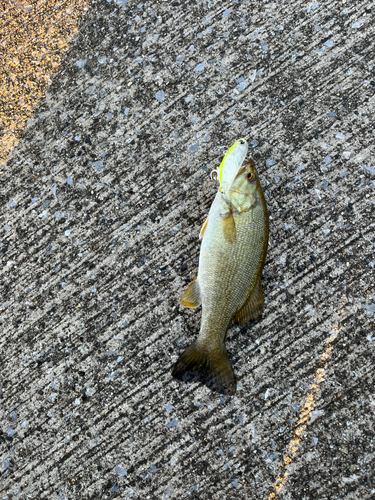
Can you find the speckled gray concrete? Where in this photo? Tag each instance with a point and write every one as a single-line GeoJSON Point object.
{"type": "Point", "coordinates": [101, 207]}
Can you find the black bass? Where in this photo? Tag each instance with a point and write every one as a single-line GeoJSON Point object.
{"type": "Point", "coordinates": [228, 285]}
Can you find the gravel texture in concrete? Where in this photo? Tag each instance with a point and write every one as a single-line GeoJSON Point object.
{"type": "Point", "coordinates": [102, 202]}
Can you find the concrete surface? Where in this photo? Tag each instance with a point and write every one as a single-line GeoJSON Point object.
{"type": "Point", "coordinates": [101, 207]}
{"type": "Point", "coordinates": [35, 37]}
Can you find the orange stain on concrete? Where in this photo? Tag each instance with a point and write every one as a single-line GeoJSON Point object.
{"type": "Point", "coordinates": [304, 417]}
{"type": "Point", "coordinates": [34, 38]}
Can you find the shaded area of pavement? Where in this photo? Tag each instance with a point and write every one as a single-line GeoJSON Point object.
{"type": "Point", "coordinates": [102, 202]}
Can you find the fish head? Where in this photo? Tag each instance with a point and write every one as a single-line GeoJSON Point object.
{"type": "Point", "coordinates": [231, 164]}
{"type": "Point", "coordinates": [243, 190]}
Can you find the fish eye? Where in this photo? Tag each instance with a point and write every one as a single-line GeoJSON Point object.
{"type": "Point", "coordinates": [241, 141]}
{"type": "Point", "coordinates": [250, 176]}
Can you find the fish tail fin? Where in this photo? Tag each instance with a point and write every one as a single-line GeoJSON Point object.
{"type": "Point", "coordinates": [213, 368]}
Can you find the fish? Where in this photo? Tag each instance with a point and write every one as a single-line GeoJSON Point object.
{"type": "Point", "coordinates": [234, 242]}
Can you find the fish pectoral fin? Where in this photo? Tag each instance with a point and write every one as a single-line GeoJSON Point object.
{"type": "Point", "coordinates": [229, 228]}
{"type": "Point", "coordinates": [212, 368]}
{"type": "Point", "coordinates": [203, 229]}
{"type": "Point", "coordinates": [192, 295]}
{"type": "Point", "coordinates": [252, 308]}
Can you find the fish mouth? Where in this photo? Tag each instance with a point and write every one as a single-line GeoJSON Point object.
{"type": "Point", "coordinates": [248, 162]}
{"type": "Point", "coordinates": [247, 165]}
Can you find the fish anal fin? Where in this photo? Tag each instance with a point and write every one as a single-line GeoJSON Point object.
{"type": "Point", "coordinates": [212, 368]}
{"type": "Point", "coordinates": [228, 225]}
{"type": "Point", "coordinates": [192, 295]}
{"type": "Point", "coordinates": [203, 229]}
{"type": "Point", "coordinates": [252, 308]}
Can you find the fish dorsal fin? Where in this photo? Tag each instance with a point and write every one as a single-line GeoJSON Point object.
{"type": "Point", "coordinates": [192, 295]}
{"type": "Point", "coordinates": [229, 228]}
{"type": "Point", "coordinates": [252, 308]}
{"type": "Point", "coordinates": [203, 229]}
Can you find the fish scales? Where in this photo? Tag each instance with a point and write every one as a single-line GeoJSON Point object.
{"type": "Point", "coordinates": [226, 282]}
{"type": "Point", "coordinates": [228, 286]}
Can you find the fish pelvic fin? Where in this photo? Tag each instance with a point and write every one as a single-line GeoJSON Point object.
{"type": "Point", "coordinates": [252, 308]}
{"type": "Point", "coordinates": [228, 225]}
{"type": "Point", "coordinates": [212, 368]}
{"type": "Point", "coordinates": [192, 295]}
